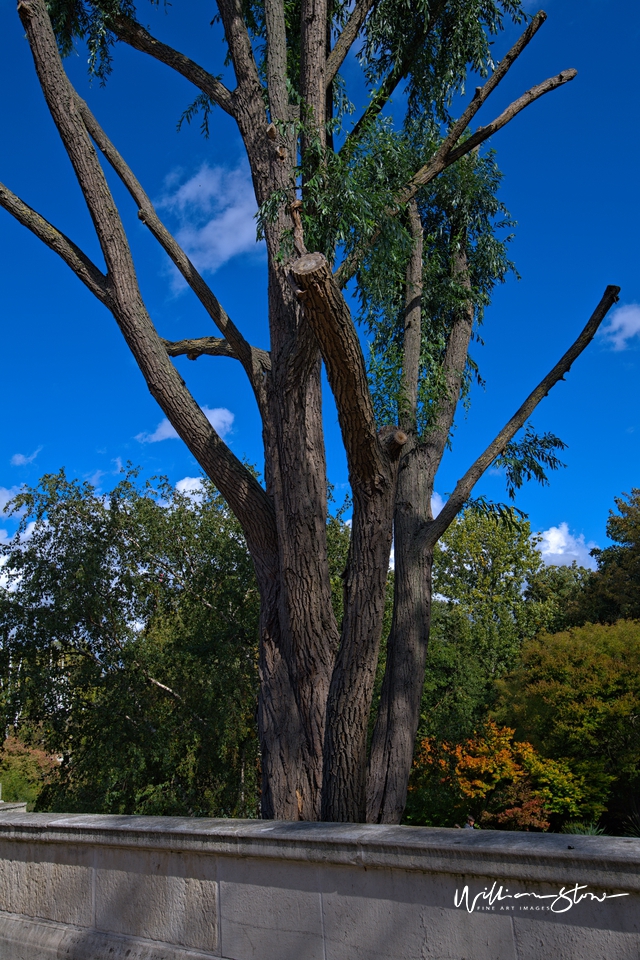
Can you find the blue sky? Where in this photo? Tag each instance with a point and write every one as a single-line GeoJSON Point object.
{"type": "Point", "coordinates": [72, 396]}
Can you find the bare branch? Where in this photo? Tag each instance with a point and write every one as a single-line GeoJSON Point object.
{"type": "Point", "coordinates": [72, 255]}
{"type": "Point", "coordinates": [329, 317]}
{"type": "Point", "coordinates": [434, 530]}
{"type": "Point", "coordinates": [130, 31]}
{"type": "Point", "coordinates": [276, 60]}
{"type": "Point", "coordinates": [237, 35]}
{"type": "Point", "coordinates": [381, 97]}
{"type": "Point", "coordinates": [441, 161]}
{"type": "Point", "coordinates": [453, 367]}
{"type": "Point", "coordinates": [147, 214]}
{"type": "Point", "coordinates": [346, 39]}
{"type": "Point", "coordinates": [210, 347]}
{"type": "Point", "coordinates": [483, 92]}
{"type": "Point", "coordinates": [239, 487]}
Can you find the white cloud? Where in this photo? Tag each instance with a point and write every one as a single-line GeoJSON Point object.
{"type": "Point", "coordinates": [6, 494]}
{"type": "Point", "coordinates": [5, 582]}
{"type": "Point", "coordinates": [216, 211]}
{"type": "Point", "coordinates": [622, 325]}
{"type": "Point", "coordinates": [21, 460]}
{"type": "Point", "coordinates": [220, 419]}
{"type": "Point", "coordinates": [559, 547]}
{"type": "Point", "coordinates": [190, 485]}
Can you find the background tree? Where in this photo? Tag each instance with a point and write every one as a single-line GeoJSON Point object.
{"type": "Point", "coordinates": [317, 676]}
{"type": "Point", "coordinates": [24, 769]}
{"type": "Point", "coordinates": [129, 629]}
{"type": "Point", "coordinates": [560, 593]}
{"type": "Point", "coordinates": [613, 593]}
{"type": "Point", "coordinates": [575, 696]}
{"type": "Point", "coordinates": [502, 783]}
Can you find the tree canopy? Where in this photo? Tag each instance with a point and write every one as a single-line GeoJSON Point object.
{"type": "Point", "coordinates": [575, 696]}
{"type": "Point", "coordinates": [129, 648]}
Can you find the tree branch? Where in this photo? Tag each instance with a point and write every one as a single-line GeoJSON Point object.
{"type": "Point", "coordinates": [249, 357]}
{"type": "Point", "coordinates": [329, 318]}
{"type": "Point", "coordinates": [441, 161]}
{"type": "Point", "coordinates": [210, 347]}
{"type": "Point", "coordinates": [242, 491]}
{"type": "Point", "coordinates": [313, 64]}
{"type": "Point", "coordinates": [72, 255]}
{"type": "Point", "coordinates": [483, 92]}
{"type": "Point", "coordinates": [239, 41]}
{"type": "Point", "coordinates": [434, 530]}
{"type": "Point", "coordinates": [133, 33]}
{"type": "Point", "coordinates": [346, 39]}
{"type": "Point", "coordinates": [453, 367]}
{"type": "Point", "coordinates": [276, 60]}
{"type": "Point", "coordinates": [412, 340]}
{"type": "Point", "coordinates": [382, 96]}
{"type": "Point", "coordinates": [377, 103]}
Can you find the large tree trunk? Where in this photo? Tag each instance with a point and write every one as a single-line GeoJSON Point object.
{"type": "Point", "coordinates": [399, 713]}
{"type": "Point", "coordinates": [297, 667]}
{"type": "Point", "coordinates": [399, 710]}
{"type": "Point", "coordinates": [345, 751]}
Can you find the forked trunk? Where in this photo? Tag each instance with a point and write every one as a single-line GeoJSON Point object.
{"type": "Point", "coordinates": [399, 710]}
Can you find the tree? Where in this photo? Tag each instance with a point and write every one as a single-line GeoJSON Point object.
{"type": "Point", "coordinates": [480, 619]}
{"type": "Point", "coordinates": [575, 697]}
{"type": "Point", "coordinates": [129, 645]}
{"type": "Point", "coordinates": [316, 675]}
{"type": "Point", "coordinates": [24, 770]}
{"type": "Point", "coordinates": [614, 590]}
{"type": "Point", "coordinates": [503, 783]}
{"type": "Point", "coordinates": [561, 593]}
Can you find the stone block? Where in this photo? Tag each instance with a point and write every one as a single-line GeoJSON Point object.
{"type": "Point", "coordinates": [270, 910]}
{"type": "Point", "coordinates": [157, 895]}
{"type": "Point", "coordinates": [47, 880]}
{"type": "Point", "coordinates": [397, 915]}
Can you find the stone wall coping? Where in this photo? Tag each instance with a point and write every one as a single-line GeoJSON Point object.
{"type": "Point", "coordinates": [561, 858]}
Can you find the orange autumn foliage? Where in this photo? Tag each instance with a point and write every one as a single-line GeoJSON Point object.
{"type": "Point", "coordinates": [503, 783]}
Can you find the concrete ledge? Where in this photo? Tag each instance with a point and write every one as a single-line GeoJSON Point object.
{"type": "Point", "coordinates": [147, 888]}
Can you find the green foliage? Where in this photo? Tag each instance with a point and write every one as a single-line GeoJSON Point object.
{"type": "Point", "coordinates": [576, 697]}
{"type": "Point", "coordinates": [202, 104]}
{"type": "Point", "coordinates": [502, 783]}
{"type": "Point", "coordinates": [89, 21]}
{"type": "Point", "coordinates": [614, 591]}
{"type": "Point", "coordinates": [433, 44]}
{"type": "Point", "coordinates": [584, 829]}
{"type": "Point", "coordinates": [481, 566]}
{"type": "Point", "coordinates": [560, 593]}
{"type": "Point", "coordinates": [527, 458]}
{"type": "Point", "coordinates": [480, 617]}
{"type": "Point", "coordinates": [24, 769]}
{"type": "Point", "coordinates": [129, 636]}
{"type": "Point", "coordinates": [459, 208]}
{"type": "Point", "coordinates": [338, 540]}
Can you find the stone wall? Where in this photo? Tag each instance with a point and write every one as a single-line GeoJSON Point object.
{"type": "Point", "coordinates": [144, 888]}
